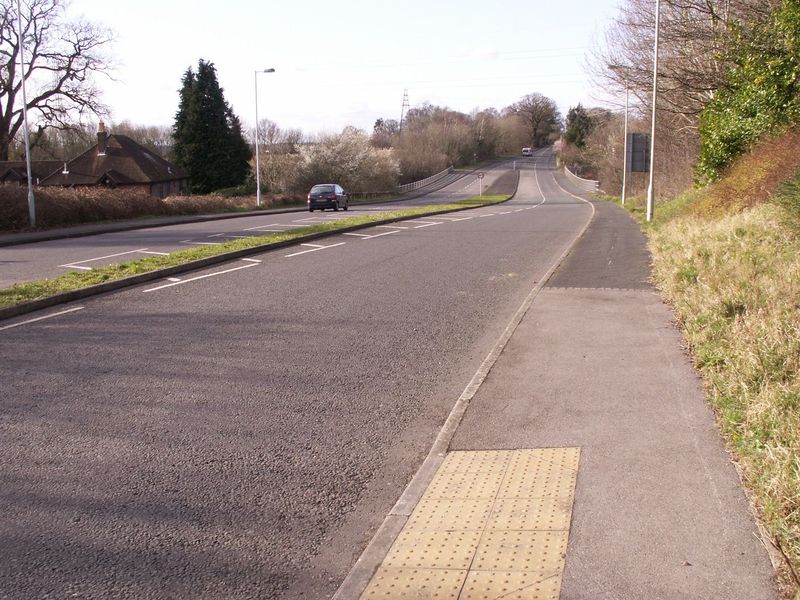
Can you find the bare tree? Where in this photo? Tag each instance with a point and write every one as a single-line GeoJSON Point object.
{"type": "Point", "coordinates": [61, 59]}
{"type": "Point", "coordinates": [540, 115]}
{"type": "Point", "coordinates": [693, 36]}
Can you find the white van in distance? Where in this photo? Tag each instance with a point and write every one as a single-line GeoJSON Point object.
{"type": "Point", "coordinates": [527, 152]}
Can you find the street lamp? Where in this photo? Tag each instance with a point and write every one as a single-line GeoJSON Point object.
{"type": "Point", "coordinates": [650, 192]}
{"type": "Point", "coordinates": [621, 69]}
{"type": "Point", "coordinates": [31, 201]}
{"type": "Point", "coordinates": [258, 169]}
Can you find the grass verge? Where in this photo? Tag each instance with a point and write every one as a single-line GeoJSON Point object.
{"type": "Point", "coordinates": [733, 279]}
{"type": "Point", "coordinates": [28, 292]}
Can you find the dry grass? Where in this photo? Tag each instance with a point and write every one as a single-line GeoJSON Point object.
{"type": "Point", "coordinates": [754, 178]}
{"type": "Point", "coordinates": [57, 207]}
{"type": "Point", "coordinates": [734, 282]}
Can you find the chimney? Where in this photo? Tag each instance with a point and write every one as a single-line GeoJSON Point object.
{"type": "Point", "coordinates": [102, 139]}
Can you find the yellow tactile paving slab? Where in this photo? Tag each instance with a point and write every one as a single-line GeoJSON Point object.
{"type": "Point", "coordinates": [491, 524]}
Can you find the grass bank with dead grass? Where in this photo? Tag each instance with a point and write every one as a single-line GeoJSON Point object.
{"type": "Point", "coordinates": [728, 260]}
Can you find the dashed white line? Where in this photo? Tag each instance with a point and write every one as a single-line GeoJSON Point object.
{"type": "Point", "coordinates": [252, 260]}
{"type": "Point", "coordinates": [487, 215]}
{"type": "Point", "coordinates": [314, 248]}
{"type": "Point", "coordinates": [63, 312]}
{"type": "Point", "coordinates": [180, 282]}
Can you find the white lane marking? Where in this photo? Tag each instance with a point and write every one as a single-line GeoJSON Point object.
{"type": "Point", "coordinates": [314, 249]}
{"type": "Point", "coordinates": [488, 215]}
{"type": "Point", "coordinates": [76, 267]}
{"type": "Point", "coordinates": [63, 312]}
{"type": "Point", "coordinates": [463, 219]}
{"type": "Point", "coordinates": [252, 260]}
{"type": "Point", "coordinates": [156, 253]}
{"type": "Point", "coordinates": [391, 226]}
{"type": "Point", "coordinates": [80, 262]}
{"type": "Point", "coordinates": [426, 225]}
{"type": "Point", "coordinates": [173, 278]}
{"type": "Point", "coordinates": [264, 227]}
{"type": "Point", "coordinates": [166, 285]}
{"type": "Point", "coordinates": [191, 243]}
{"type": "Point", "coordinates": [361, 235]}
{"type": "Point", "coordinates": [519, 210]}
{"type": "Point", "coordinates": [507, 212]}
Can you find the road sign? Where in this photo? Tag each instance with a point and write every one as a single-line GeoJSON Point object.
{"type": "Point", "coordinates": [480, 175]}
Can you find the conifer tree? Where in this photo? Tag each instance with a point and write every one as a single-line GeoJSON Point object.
{"type": "Point", "coordinates": [208, 136]}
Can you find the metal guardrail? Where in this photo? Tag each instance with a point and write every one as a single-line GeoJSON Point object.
{"type": "Point", "coordinates": [587, 185]}
{"type": "Point", "coordinates": [409, 187]}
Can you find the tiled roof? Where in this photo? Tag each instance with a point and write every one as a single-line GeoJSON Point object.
{"type": "Point", "coordinates": [17, 170]}
{"type": "Point", "coordinates": [124, 162]}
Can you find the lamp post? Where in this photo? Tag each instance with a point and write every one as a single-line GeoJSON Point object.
{"type": "Point", "coordinates": [621, 69]}
{"type": "Point", "coordinates": [650, 191]}
{"type": "Point", "coordinates": [258, 169]}
{"type": "Point", "coordinates": [31, 201]}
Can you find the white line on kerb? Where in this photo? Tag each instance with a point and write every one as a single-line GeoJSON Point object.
{"type": "Point", "coordinates": [63, 312]}
{"type": "Point", "coordinates": [166, 285]}
{"type": "Point", "coordinates": [315, 249]}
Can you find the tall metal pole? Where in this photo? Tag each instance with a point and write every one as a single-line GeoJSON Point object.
{"type": "Point", "coordinates": [258, 166]}
{"type": "Point", "coordinates": [625, 145]}
{"type": "Point", "coordinates": [31, 201]}
{"type": "Point", "coordinates": [650, 191]}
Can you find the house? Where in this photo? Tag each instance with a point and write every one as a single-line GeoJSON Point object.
{"type": "Point", "coordinates": [16, 171]}
{"type": "Point", "coordinates": [118, 161]}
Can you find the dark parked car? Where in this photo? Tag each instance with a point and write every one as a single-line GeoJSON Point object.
{"type": "Point", "coordinates": [327, 195]}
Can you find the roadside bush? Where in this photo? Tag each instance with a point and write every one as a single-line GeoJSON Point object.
{"type": "Point", "coordinates": [349, 160]}
{"type": "Point", "coordinates": [761, 92]}
{"type": "Point", "coordinates": [70, 206]}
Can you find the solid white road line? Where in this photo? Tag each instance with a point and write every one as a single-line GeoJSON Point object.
{"type": "Point", "coordinates": [191, 243]}
{"type": "Point", "coordinates": [76, 267]}
{"type": "Point", "coordinates": [63, 312]}
{"type": "Point", "coordinates": [426, 225]}
{"type": "Point", "coordinates": [391, 226]}
{"type": "Point", "coordinates": [314, 249]}
{"type": "Point", "coordinates": [156, 253]}
{"type": "Point", "coordinates": [80, 262]}
{"type": "Point", "coordinates": [166, 285]}
{"type": "Point", "coordinates": [252, 260]}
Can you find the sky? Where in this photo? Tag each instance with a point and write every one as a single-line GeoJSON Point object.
{"type": "Point", "coordinates": [347, 62]}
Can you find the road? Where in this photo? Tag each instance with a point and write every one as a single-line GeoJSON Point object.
{"type": "Point", "coordinates": [33, 261]}
{"type": "Point", "coordinates": [243, 434]}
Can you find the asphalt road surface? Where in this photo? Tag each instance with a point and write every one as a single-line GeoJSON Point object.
{"type": "Point", "coordinates": [242, 432]}
{"type": "Point", "coordinates": [33, 261]}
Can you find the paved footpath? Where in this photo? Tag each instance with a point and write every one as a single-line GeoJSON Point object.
{"type": "Point", "coordinates": [634, 488]}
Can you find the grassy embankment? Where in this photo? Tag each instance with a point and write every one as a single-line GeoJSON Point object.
{"type": "Point", "coordinates": [728, 260]}
{"type": "Point", "coordinates": [26, 292]}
